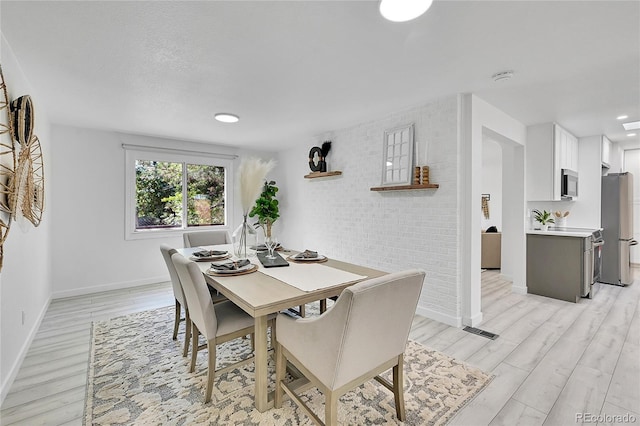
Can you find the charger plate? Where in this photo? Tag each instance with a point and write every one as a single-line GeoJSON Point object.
{"type": "Point", "coordinates": [253, 269]}
{"type": "Point", "coordinates": [210, 258]}
{"type": "Point", "coordinates": [320, 259]}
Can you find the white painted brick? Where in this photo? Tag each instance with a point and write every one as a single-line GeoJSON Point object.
{"type": "Point", "coordinates": [390, 231]}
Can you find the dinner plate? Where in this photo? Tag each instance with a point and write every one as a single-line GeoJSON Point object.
{"type": "Point", "coordinates": [210, 258]}
{"type": "Point", "coordinates": [318, 258]}
{"type": "Point", "coordinates": [247, 269]}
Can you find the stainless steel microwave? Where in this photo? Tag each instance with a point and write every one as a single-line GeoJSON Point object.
{"type": "Point", "coordinates": [569, 184]}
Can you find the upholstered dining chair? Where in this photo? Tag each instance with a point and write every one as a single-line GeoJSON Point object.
{"type": "Point", "coordinates": [218, 323]}
{"type": "Point", "coordinates": [181, 303]}
{"type": "Point", "coordinates": [178, 294]}
{"type": "Point", "coordinates": [362, 335]}
{"type": "Point", "coordinates": [206, 238]}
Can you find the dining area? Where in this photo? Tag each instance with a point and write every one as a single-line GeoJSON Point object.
{"type": "Point", "coordinates": [231, 292]}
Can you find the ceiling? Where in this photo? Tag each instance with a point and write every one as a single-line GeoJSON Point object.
{"type": "Point", "coordinates": [295, 69]}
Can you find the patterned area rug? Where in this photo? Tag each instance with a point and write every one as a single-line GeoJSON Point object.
{"type": "Point", "coordinates": [137, 375]}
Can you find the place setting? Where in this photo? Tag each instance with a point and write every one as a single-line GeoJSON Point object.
{"type": "Point", "coordinates": [232, 268]}
{"type": "Point", "coordinates": [205, 255]}
{"type": "Point", "coordinates": [308, 256]}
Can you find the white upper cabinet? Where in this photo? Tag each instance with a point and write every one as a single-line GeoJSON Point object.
{"type": "Point", "coordinates": [549, 149]}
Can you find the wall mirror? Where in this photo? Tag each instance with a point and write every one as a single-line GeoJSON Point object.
{"type": "Point", "coordinates": [397, 157]}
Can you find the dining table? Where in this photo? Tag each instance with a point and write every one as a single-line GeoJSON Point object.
{"type": "Point", "coordinates": [271, 290]}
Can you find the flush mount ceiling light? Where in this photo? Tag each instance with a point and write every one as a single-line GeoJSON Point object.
{"type": "Point", "coordinates": [632, 125]}
{"type": "Point", "coordinates": [403, 10]}
{"type": "Point", "coordinates": [502, 75]}
{"type": "Point", "coordinates": [225, 117]}
{"type": "Point", "coordinates": [622, 117]}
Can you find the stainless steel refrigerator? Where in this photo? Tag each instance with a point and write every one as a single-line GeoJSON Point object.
{"type": "Point", "coordinates": [617, 224]}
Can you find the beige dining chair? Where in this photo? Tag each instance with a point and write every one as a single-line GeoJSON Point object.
{"type": "Point", "coordinates": [178, 294]}
{"type": "Point", "coordinates": [218, 323]}
{"type": "Point", "coordinates": [206, 238]}
{"type": "Point", "coordinates": [362, 335]}
{"type": "Point", "coordinates": [181, 303]}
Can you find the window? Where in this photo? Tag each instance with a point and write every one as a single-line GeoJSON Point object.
{"type": "Point", "coordinates": [169, 192]}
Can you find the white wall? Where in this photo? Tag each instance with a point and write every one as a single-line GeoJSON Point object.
{"type": "Point", "coordinates": [481, 120]}
{"type": "Point", "coordinates": [25, 280]}
{"type": "Point", "coordinates": [90, 210]}
{"type": "Point", "coordinates": [632, 165]}
{"type": "Point", "coordinates": [390, 231]}
{"type": "Point", "coordinates": [492, 183]}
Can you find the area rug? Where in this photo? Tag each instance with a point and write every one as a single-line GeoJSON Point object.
{"type": "Point", "coordinates": [137, 375]}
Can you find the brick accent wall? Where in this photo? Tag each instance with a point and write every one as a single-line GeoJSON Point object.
{"type": "Point", "coordinates": [391, 231]}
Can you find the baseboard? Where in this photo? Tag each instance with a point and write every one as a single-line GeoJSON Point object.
{"type": "Point", "coordinates": [473, 321]}
{"type": "Point", "coordinates": [15, 368]}
{"type": "Point", "coordinates": [519, 289]}
{"type": "Point", "coordinates": [439, 316]}
{"type": "Point", "coordinates": [107, 287]}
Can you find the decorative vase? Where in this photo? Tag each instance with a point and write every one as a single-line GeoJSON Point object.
{"type": "Point", "coordinates": [244, 237]}
{"type": "Point", "coordinates": [545, 227]}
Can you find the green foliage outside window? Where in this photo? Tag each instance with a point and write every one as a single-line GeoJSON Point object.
{"type": "Point", "coordinates": [159, 194]}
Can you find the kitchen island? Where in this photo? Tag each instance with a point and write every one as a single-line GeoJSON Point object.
{"type": "Point", "coordinates": [560, 263]}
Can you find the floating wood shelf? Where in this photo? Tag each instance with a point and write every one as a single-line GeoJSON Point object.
{"type": "Point", "coordinates": [405, 187]}
{"type": "Point", "coordinates": [314, 175]}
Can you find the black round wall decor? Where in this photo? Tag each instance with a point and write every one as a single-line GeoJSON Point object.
{"type": "Point", "coordinates": [315, 167]}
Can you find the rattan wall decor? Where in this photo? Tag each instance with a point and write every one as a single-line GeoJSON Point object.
{"type": "Point", "coordinates": [29, 194]}
{"type": "Point", "coordinates": [7, 166]}
{"type": "Point", "coordinates": [21, 171]}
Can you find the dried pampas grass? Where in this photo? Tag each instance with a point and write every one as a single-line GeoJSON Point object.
{"type": "Point", "coordinates": [251, 174]}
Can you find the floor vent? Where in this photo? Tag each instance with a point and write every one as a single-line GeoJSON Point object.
{"type": "Point", "coordinates": [482, 333]}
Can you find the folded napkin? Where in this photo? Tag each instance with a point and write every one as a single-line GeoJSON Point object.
{"type": "Point", "coordinates": [209, 253]}
{"type": "Point", "coordinates": [308, 254]}
{"type": "Point", "coordinates": [230, 266]}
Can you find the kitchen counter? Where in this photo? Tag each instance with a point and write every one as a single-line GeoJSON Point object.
{"type": "Point", "coordinates": [564, 232]}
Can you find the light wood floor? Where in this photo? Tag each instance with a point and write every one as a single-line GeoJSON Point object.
{"type": "Point", "coordinates": [551, 361]}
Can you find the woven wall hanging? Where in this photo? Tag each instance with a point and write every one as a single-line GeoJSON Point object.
{"type": "Point", "coordinates": [7, 166]}
{"type": "Point", "coordinates": [28, 200]}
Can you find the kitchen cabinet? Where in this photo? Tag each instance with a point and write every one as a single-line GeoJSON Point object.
{"type": "Point", "coordinates": [606, 152]}
{"type": "Point", "coordinates": [549, 149]}
{"type": "Point", "coordinates": [557, 266]}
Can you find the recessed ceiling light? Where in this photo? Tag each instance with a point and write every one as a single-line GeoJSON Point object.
{"type": "Point", "coordinates": [225, 117]}
{"type": "Point", "coordinates": [631, 134]}
{"type": "Point", "coordinates": [632, 125]}
{"type": "Point", "coordinates": [403, 10]}
{"type": "Point", "coordinates": [622, 117]}
{"type": "Point", "coordinates": [502, 75]}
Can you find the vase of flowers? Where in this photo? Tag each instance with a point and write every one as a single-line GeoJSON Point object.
{"type": "Point", "coordinates": [251, 174]}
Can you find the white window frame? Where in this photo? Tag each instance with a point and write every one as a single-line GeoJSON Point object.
{"type": "Point", "coordinates": [134, 152]}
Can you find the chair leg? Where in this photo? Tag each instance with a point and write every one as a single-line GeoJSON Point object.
{"type": "Point", "coordinates": [194, 347]}
{"type": "Point", "coordinates": [281, 367]}
{"type": "Point", "coordinates": [331, 409]}
{"type": "Point", "coordinates": [176, 323]}
{"type": "Point", "coordinates": [398, 388]}
{"type": "Point", "coordinates": [302, 311]}
{"type": "Point", "coordinates": [187, 334]}
{"type": "Point", "coordinates": [323, 306]}
{"type": "Point", "coordinates": [211, 372]}
{"type": "Point", "coordinates": [272, 325]}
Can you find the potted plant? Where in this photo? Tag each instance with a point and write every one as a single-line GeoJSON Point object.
{"type": "Point", "coordinates": [266, 208]}
{"type": "Point", "coordinates": [544, 218]}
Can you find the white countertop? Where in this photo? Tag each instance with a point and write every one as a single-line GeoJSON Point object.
{"type": "Point", "coordinates": [562, 233]}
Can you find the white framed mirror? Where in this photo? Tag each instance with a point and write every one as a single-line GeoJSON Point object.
{"type": "Point", "coordinates": [397, 156]}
